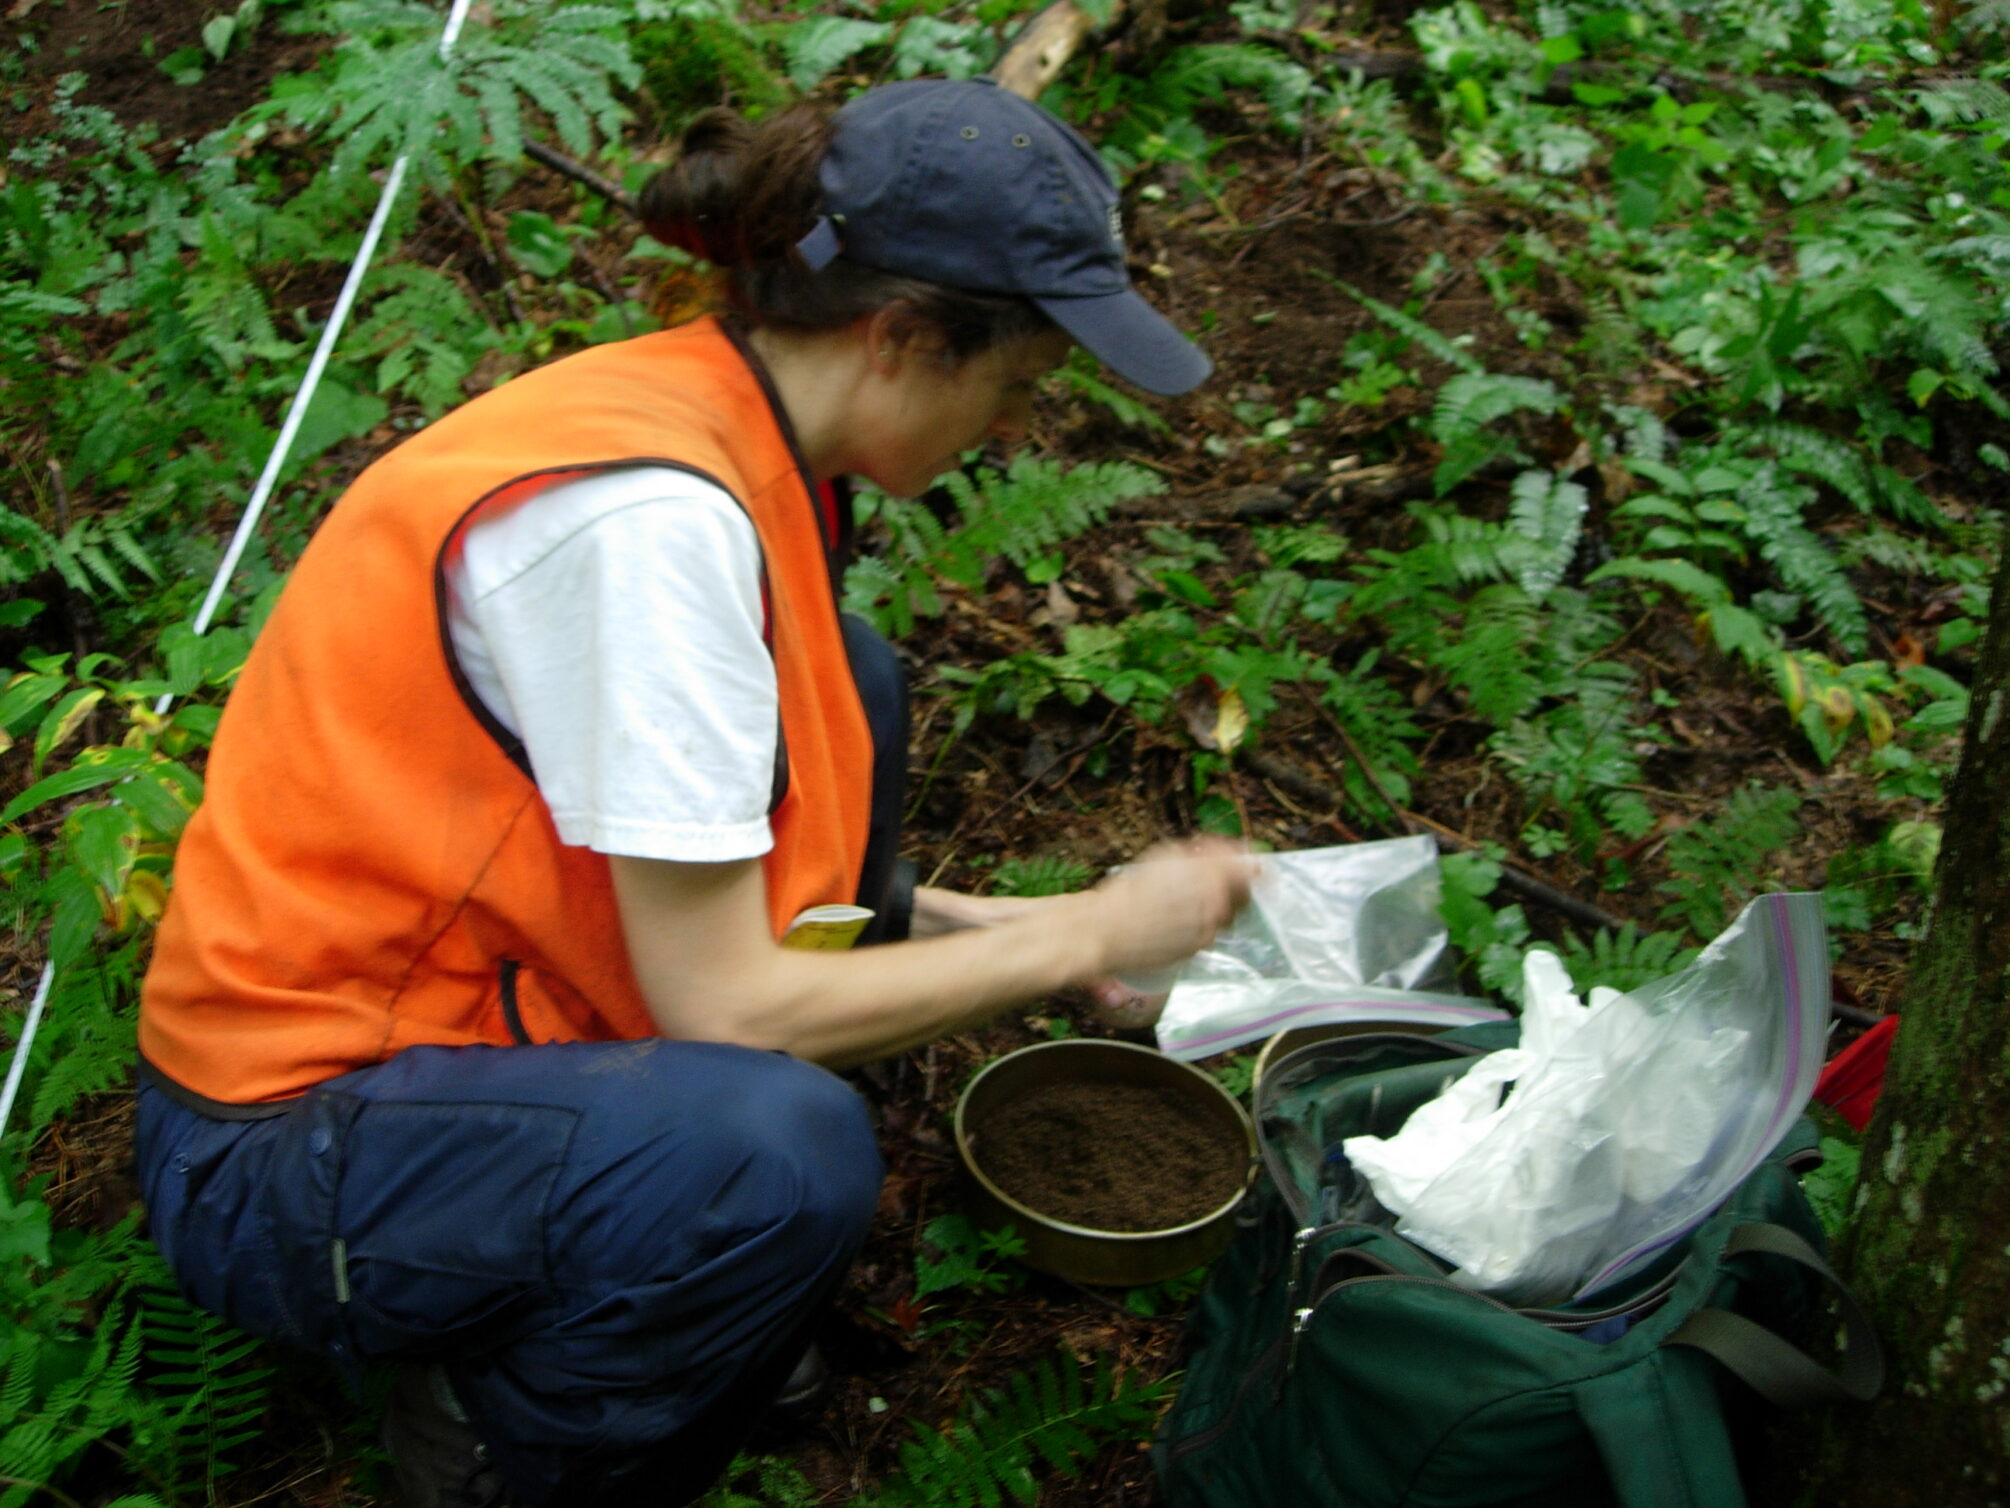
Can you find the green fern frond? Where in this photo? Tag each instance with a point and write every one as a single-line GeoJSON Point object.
{"type": "Point", "coordinates": [1487, 657]}
{"type": "Point", "coordinates": [1966, 100]}
{"type": "Point", "coordinates": [388, 92]}
{"type": "Point", "coordinates": [1643, 435]}
{"type": "Point", "coordinates": [1626, 959]}
{"type": "Point", "coordinates": [1383, 724]}
{"type": "Point", "coordinates": [1805, 563]}
{"type": "Point", "coordinates": [27, 549]}
{"type": "Point", "coordinates": [204, 1375]}
{"type": "Point", "coordinates": [1056, 1414]}
{"type": "Point", "coordinates": [1727, 856]}
{"type": "Point", "coordinates": [1545, 520]}
{"type": "Point", "coordinates": [1414, 330]}
{"type": "Point", "coordinates": [1032, 506]}
{"type": "Point", "coordinates": [1905, 555]}
{"type": "Point", "coordinates": [1473, 399]}
{"type": "Point", "coordinates": [1824, 457]}
{"type": "Point", "coordinates": [1466, 405]}
{"type": "Point", "coordinates": [1290, 545]}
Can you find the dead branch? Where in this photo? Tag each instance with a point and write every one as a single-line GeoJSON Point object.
{"type": "Point", "coordinates": [581, 174]}
{"type": "Point", "coordinates": [1039, 53]}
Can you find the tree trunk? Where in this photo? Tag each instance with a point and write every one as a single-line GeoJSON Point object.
{"type": "Point", "coordinates": [1928, 1246]}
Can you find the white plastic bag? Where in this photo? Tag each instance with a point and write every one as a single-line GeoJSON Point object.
{"type": "Point", "coordinates": [1342, 934]}
{"type": "Point", "coordinates": [1559, 1167]}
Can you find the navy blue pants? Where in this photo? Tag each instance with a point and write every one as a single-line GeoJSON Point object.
{"type": "Point", "coordinates": [617, 1250]}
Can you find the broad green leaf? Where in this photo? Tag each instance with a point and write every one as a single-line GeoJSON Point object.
{"type": "Point", "coordinates": [64, 719]}
{"type": "Point", "coordinates": [337, 412]}
{"type": "Point", "coordinates": [216, 35]}
{"type": "Point", "coordinates": [538, 244]}
{"type": "Point", "coordinates": [113, 764]}
{"type": "Point", "coordinates": [24, 1229]}
{"type": "Point", "coordinates": [1641, 177]}
{"type": "Point", "coordinates": [103, 842]}
{"type": "Point", "coordinates": [26, 695]}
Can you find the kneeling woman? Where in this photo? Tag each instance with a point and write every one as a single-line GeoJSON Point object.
{"type": "Point", "coordinates": [469, 1039]}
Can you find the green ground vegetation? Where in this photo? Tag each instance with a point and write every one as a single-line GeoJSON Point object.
{"type": "Point", "coordinates": [1745, 297]}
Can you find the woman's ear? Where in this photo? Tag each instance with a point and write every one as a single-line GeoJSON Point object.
{"type": "Point", "coordinates": [894, 337]}
{"type": "Point", "coordinates": [884, 342]}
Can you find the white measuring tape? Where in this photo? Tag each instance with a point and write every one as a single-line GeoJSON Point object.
{"type": "Point", "coordinates": [456, 17]}
{"type": "Point", "coordinates": [330, 333]}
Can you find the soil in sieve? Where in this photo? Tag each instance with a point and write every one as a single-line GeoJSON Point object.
{"type": "Point", "coordinates": [1115, 1157]}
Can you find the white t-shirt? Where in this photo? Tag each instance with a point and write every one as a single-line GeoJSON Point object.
{"type": "Point", "coordinates": [613, 624]}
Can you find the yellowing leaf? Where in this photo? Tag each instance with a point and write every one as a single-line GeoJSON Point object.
{"type": "Point", "coordinates": [146, 894]}
{"type": "Point", "coordinates": [1231, 721]}
{"type": "Point", "coordinates": [1793, 678]}
{"type": "Point", "coordinates": [1876, 722]}
{"type": "Point", "coordinates": [1838, 707]}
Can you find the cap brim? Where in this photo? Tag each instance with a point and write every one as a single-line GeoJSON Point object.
{"type": "Point", "coordinates": [1132, 339]}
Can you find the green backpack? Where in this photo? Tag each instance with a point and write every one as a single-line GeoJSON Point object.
{"type": "Point", "coordinates": [1333, 1365]}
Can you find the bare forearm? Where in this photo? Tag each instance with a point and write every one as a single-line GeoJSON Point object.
{"type": "Point", "coordinates": [710, 971]}
{"type": "Point", "coordinates": [841, 1009]}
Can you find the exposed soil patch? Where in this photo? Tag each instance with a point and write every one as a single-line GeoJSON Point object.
{"type": "Point", "coordinates": [1117, 1157]}
{"type": "Point", "coordinates": [119, 49]}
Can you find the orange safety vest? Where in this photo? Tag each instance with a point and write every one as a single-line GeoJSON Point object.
{"type": "Point", "coordinates": [372, 867]}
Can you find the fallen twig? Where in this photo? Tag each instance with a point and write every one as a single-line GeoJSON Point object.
{"type": "Point", "coordinates": [581, 174]}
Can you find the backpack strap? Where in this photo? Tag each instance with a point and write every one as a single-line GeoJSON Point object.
{"type": "Point", "coordinates": [1661, 1435]}
{"type": "Point", "coordinates": [1772, 1367]}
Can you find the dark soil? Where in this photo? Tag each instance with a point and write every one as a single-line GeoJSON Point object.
{"type": "Point", "coordinates": [119, 48]}
{"type": "Point", "coordinates": [1115, 1157]}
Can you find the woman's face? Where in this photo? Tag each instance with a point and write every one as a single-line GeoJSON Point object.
{"type": "Point", "coordinates": [920, 414]}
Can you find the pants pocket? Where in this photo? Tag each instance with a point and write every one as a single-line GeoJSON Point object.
{"type": "Point", "coordinates": [431, 1218]}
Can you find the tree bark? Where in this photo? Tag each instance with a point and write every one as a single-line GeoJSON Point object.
{"type": "Point", "coordinates": [1928, 1246]}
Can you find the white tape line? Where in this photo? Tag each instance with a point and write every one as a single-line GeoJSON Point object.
{"type": "Point", "coordinates": [20, 1064]}
{"type": "Point", "coordinates": [330, 333]}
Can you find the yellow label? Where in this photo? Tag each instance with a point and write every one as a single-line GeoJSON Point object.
{"type": "Point", "coordinates": [827, 929]}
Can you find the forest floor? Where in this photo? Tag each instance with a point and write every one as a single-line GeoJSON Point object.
{"type": "Point", "coordinates": [1255, 269]}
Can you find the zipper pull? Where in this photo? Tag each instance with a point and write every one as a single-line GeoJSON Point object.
{"type": "Point", "coordinates": [1299, 1241]}
{"type": "Point", "coordinates": [1299, 1322]}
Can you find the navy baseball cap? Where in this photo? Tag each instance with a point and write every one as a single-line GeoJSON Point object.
{"type": "Point", "coordinates": [963, 183]}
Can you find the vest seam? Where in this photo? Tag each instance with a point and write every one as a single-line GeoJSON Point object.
{"type": "Point", "coordinates": [512, 747]}
{"type": "Point", "coordinates": [453, 915]}
{"type": "Point", "coordinates": [629, 507]}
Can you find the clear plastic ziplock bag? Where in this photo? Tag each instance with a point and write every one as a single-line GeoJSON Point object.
{"type": "Point", "coordinates": [1568, 1164]}
{"type": "Point", "coordinates": [1331, 935]}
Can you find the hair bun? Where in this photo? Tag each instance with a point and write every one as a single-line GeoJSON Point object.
{"type": "Point", "coordinates": [695, 203]}
{"type": "Point", "coordinates": [739, 193]}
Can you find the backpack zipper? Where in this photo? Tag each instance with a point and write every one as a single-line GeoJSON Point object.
{"type": "Point", "coordinates": [1552, 1319]}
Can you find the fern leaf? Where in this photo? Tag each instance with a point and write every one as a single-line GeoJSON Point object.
{"type": "Point", "coordinates": [1547, 516]}
{"type": "Point", "coordinates": [1473, 399]}
{"type": "Point", "coordinates": [1052, 1415]}
{"type": "Point", "coordinates": [1415, 330]}
{"type": "Point", "coordinates": [1692, 581]}
{"type": "Point", "coordinates": [1727, 855]}
{"type": "Point", "coordinates": [1821, 456]}
{"type": "Point", "coordinates": [1805, 564]}
{"type": "Point", "coordinates": [1488, 657]}
{"type": "Point", "coordinates": [813, 47]}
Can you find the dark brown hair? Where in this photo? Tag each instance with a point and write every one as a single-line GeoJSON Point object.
{"type": "Point", "coordinates": [740, 194]}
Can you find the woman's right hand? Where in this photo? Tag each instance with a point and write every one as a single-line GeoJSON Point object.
{"type": "Point", "coordinates": [1169, 904]}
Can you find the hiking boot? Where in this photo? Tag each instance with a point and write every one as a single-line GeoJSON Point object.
{"type": "Point", "coordinates": [798, 1403]}
{"type": "Point", "coordinates": [437, 1459]}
